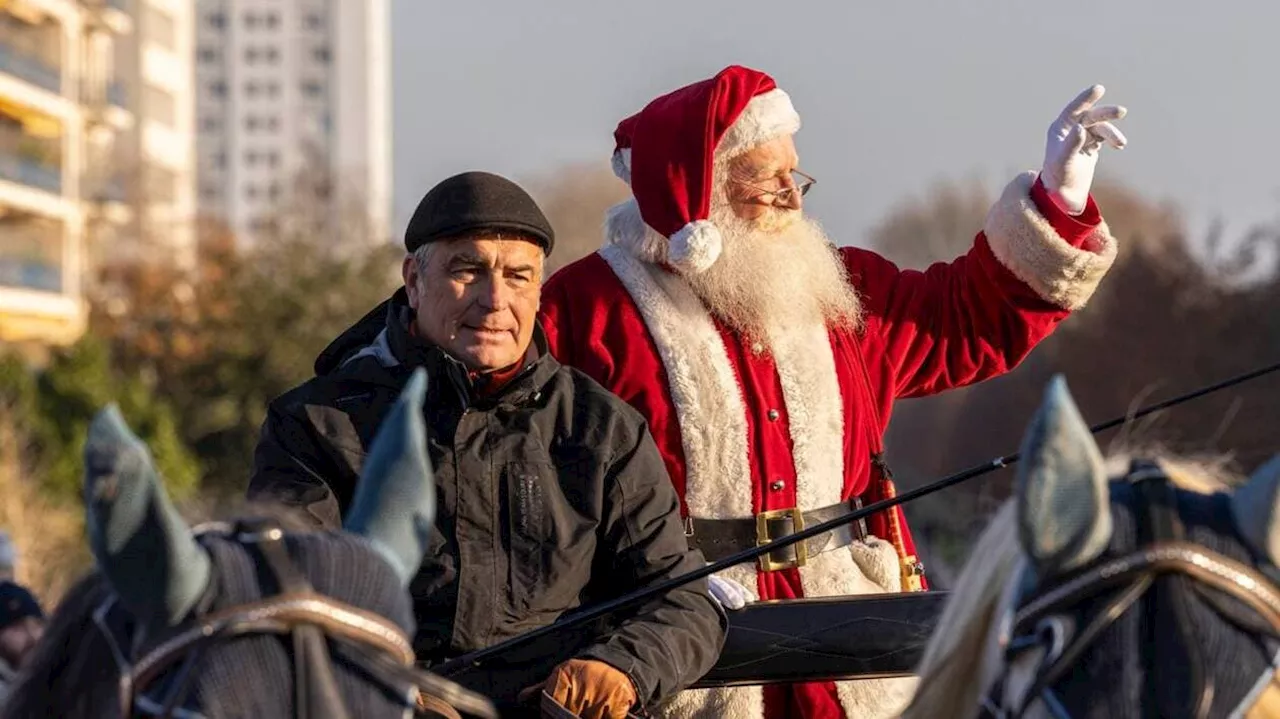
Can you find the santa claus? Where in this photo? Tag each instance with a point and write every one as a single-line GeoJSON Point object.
{"type": "Point", "coordinates": [767, 360]}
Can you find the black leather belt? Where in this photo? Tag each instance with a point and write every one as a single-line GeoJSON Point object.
{"type": "Point", "coordinates": [720, 538]}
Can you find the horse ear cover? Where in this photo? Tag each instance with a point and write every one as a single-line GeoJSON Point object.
{"type": "Point", "coordinates": [144, 548]}
{"type": "Point", "coordinates": [1062, 493]}
{"type": "Point", "coordinates": [1256, 510]}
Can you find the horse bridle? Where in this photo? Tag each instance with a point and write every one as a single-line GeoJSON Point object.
{"type": "Point", "coordinates": [378, 646]}
{"type": "Point", "coordinates": [1036, 623]}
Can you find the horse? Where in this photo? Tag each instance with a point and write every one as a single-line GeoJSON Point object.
{"type": "Point", "coordinates": [1131, 587]}
{"type": "Point", "coordinates": [250, 617]}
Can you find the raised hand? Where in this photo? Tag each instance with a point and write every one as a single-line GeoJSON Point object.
{"type": "Point", "coordinates": [1073, 144]}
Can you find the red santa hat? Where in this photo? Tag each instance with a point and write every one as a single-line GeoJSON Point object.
{"type": "Point", "coordinates": [667, 151]}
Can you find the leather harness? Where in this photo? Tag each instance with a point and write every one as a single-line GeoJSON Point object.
{"type": "Point", "coordinates": [311, 620]}
{"type": "Point", "coordinates": [1165, 557]}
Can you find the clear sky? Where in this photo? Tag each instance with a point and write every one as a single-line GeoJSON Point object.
{"type": "Point", "coordinates": [893, 96]}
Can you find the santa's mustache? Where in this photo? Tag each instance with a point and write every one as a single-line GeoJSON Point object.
{"type": "Point", "coordinates": [776, 270]}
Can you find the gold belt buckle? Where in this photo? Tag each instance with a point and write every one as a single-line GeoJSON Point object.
{"type": "Point", "coordinates": [767, 563]}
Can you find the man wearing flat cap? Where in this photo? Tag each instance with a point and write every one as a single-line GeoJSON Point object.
{"type": "Point", "coordinates": [552, 494]}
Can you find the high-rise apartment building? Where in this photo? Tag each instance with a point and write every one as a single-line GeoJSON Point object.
{"type": "Point", "coordinates": [290, 90]}
{"type": "Point", "coordinates": [156, 70]}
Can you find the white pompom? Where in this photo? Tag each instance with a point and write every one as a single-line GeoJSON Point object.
{"type": "Point", "coordinates": [695, 247]}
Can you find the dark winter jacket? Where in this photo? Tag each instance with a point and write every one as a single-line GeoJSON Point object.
{"type": "Point", "coordinates": [552, 496]}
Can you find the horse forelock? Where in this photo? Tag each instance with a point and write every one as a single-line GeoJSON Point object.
{"type": "Point", "coordinates": [956, 668]}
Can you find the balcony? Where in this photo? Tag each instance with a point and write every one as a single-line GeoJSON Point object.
{"type": "Point", "coordinates": [33, 173]}
{"type": "Point", "coordinates": [30, 274]}
{"type": "Point", "coordinates": [31, 253]}
{"type": "Point", "coordinates": [31, 69]}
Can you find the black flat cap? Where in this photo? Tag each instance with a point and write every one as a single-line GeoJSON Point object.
{"type": "Point", "coordinates": [475, 201]}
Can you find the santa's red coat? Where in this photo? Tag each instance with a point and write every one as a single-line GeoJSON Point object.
{"type": "Point", "coordinates": [744, 431]}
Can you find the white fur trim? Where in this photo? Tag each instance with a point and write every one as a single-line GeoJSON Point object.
{"type": "Point", "coordinates": [704, 388]}
{"type": "Point", "coordinates": [695, 247]}
{"type": "Point", "coordinates": [691, 250]}
{"type": "Point", "coordinates": [624, 227]}
{"type": "Point", "coordinates": [621, 163]}
{"type": "Point", "coordinates": [766, 116]}
{"type": "Point", "coordinates": [712, 416]}
{"type": "Point", "coordinates": [1024, 241]}
{"type": "Point", "coordinates": [815, 412]}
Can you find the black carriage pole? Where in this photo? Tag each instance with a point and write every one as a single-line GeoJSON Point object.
{"type": "Point", "coordinates": [474, 659]}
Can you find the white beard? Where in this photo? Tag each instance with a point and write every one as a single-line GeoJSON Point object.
{"type": "Point", "coordinates": [777, 271]}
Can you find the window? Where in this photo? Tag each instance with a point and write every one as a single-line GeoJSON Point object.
{"type": "Point", "coordinates": [209, 193]}
{"type": "Point", "coordinates": [210, 124]}
{"type": "Point", "coordinates": [269, 54]}
{"type": "Point", "coordinates": [220, 160]}
{"type": "Point", "coordinates": [251, 89]}
{"type": "Point", "coordinates": [160, 27]}
{"type": "Point", "coordinates": [160, 105]}
{"type": "Point", "coordinates": [250, 20]}
{"type": "Point", "coordinates": [321, 54]}
{"type": "Point", "coordinates": [250, 158]}
{"type": "Point", "coordinates": [273, 159]}
{"type": "Point", "coordinates": [208, 54]}
{"type": "Point", "coordinates": [273, 89]}
{"type": "Point", "coordinates": [216, 20]}
{"type": "Point", "coordinates": [218, 88]}
{"type": "Point", "coordinates": [251, 192]}
{"type": "Point", "coordinates": [313, 21]}
{"type": "Point", "coordinates": [273, 191]}
{"type": "Point", "coordinates": [272, 21]}
{"type": "Point", "coordinates": [312, 89]}
{"type": "Point", "coordinates": [251, 122]}
{"type": "Point", "coordinates": [272, 124]}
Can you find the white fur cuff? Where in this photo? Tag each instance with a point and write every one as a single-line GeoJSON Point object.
{"type": "Point", "coordinates": [1024, 242]}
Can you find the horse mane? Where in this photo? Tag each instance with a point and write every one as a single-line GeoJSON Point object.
{"type": "Point", "coordinates": [71, 672]}
{"type": "Point", "coordinates": [964, 654]}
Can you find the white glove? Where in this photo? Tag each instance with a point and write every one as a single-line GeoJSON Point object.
{"type": "Point", "coordinates": [728, 593]}
{"type": "Point", "coordinates": [1071, 152]}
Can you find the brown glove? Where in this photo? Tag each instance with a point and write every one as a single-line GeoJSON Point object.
{"type": "Point", "coordinates": [592, 689]}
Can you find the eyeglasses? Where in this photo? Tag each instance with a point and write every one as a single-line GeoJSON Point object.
{"type": "Point", "coordinates": [800, 182]}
